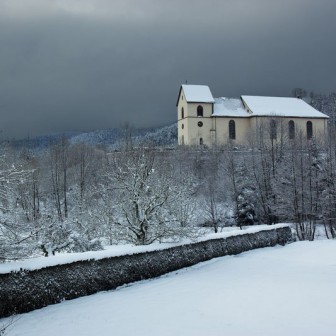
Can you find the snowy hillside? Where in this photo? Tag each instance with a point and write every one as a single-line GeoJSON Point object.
{"type": "Point", "coordinates": [164, 136]}
{"type": "Point", "coordinates": [110, 138]}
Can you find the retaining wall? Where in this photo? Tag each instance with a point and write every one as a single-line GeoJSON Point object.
{"type": "Point", "coordinates": [26, 290]}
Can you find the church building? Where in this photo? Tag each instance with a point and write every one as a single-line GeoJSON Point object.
{"type": "Point", "coordinates": [244, 121]}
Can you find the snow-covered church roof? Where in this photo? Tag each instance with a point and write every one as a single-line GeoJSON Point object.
{"type": "Point", "coordinates": [281, 107]}
{"type": "Point", "coordinates": [251, 106]}
{"type": "Point", "coordinates": [197, 94]}
{"type": "Point", "coordinates": [229, 107]}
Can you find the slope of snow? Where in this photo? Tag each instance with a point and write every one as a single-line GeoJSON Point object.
{"type": "Point", "coordinates": [272, 291]}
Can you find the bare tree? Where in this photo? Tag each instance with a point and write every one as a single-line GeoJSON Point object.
{"type": "Point", "coordinates": [59, 170]}
{"type": "Point", "coordinates": [303, 182]}
{"type": "Point", "coordinates": [213, 189]}
{"type": "Point", "coordinates": [299, 93]}
{"type": "Point", "coordinates": [13, 224]}
{"type": "Point", "coordinates": [146, 193]}
{"type": "Point", "coordinates": [328, 195]}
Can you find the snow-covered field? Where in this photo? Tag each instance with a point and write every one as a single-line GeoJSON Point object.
{"type": "Point", "coordinates": [272, 291]}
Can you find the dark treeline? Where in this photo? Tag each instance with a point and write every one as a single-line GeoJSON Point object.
{"type": "Point", "coordinates": [326, 103]}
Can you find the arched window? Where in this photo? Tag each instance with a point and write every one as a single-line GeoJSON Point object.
{"type": "Point", "coordinates": [182, 113]}
{"type": "Point", "coordinates": [199, 111]}
{"type": "Point", "coordinates": [291, 129]}
{"type": "Point", "coordinates": [273, 129]}
{"type": "Point", "coordinates": [309, 130]}
{"type": "Point", "coordinates": [201, 141]}
{"type": "Point", "coordinates": [182, 140]}
{"type": "Point", "coordinates": [232, 130]}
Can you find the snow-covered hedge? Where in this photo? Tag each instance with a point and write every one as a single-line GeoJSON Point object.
{"type": "Point", "coordinates": [26, 290]}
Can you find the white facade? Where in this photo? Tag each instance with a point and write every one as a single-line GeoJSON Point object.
{"type": "Point", "coordinates": [204, 120]}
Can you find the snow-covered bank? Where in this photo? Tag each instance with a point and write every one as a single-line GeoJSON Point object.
{"type": "Point", "coordinates": [272, 291]}
{"type": "Point", "coordinates": [25, 291]}
{"type": "Point", "coordinates": [117, 250]}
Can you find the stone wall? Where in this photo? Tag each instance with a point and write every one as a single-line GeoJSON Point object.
{"type": "Point", "coordinates": [28, 290]}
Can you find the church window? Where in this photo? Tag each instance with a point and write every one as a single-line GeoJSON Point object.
{"type": "Point", "coordinates": [182, 126]}
{"type": "Point", "coordinates": [201, 142]}
{"type": "Point", "coordinates": [309, 130]}
{"type": "Point", "coordinates": [200, 124]}
{"type": "Point", "coordinates": [291, 129]}
{"type": "Point", "coordinates": [232, 130]}
{"type": "Point", "coordinates": [182, 113]}
{"type": "Point", "coordinates": [199, 111]}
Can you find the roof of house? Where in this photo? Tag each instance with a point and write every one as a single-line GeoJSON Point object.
{"type": "Point", "coordinates": [229, 107]}
{"type": "Point", "coordinates": [250, 106]}
{"type": "Point", "coordinates": [197, 94]}
{"type": "Point", "coordinates": [281, 107]}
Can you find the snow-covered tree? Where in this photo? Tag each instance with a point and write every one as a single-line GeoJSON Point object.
{"type": "Point", "coordinates": [14, 228]}
{"type": "Point", "coordinates": [146, 194]}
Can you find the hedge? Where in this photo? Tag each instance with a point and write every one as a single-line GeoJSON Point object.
{"type": "Point", "coordinates": [27, 290]}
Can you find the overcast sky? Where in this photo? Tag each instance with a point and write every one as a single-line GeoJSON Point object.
{"type": "Point", "coordinates": [79, 65]}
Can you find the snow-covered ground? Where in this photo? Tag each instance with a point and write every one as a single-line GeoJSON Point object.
{"type": "Point", "coordinates": [272, 291]}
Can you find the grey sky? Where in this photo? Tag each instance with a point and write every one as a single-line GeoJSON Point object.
{"type": "Point", "coordinates": [93, 64]}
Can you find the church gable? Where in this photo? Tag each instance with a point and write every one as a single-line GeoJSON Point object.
{"type": "Point", "coordinates": [196, 94]}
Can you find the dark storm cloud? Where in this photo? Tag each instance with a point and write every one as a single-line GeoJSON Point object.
{"type": "Point", "coordinates": [83, 65]}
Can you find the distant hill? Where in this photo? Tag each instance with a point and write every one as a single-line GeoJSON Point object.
{"type": "Point", "coordinates": [112, 139]}
{"type": "Point", "coordinates": [164, 136]}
